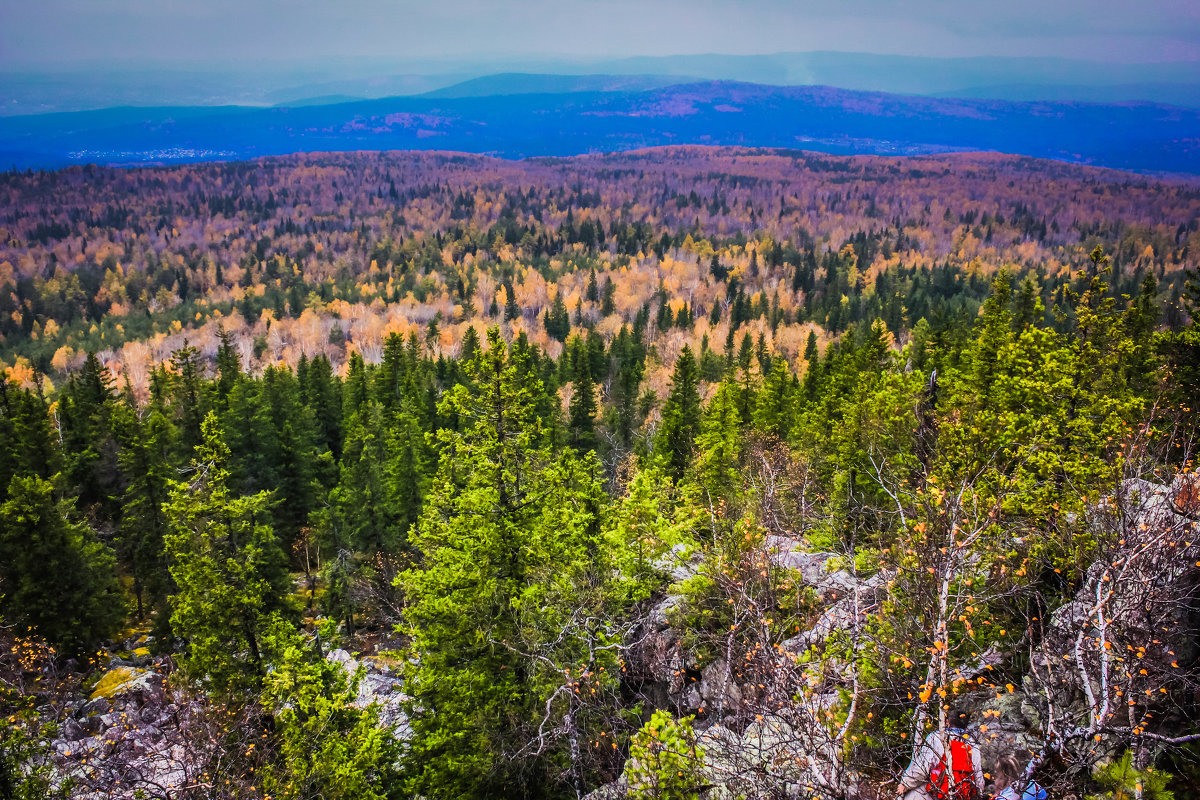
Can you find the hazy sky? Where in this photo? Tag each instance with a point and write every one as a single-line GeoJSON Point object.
{"type": "Point", "coordinates": [216, 31]}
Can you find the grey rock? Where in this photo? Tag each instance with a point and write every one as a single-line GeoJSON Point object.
{"type": "Point", "coordinates": [718, 689]}
{"type": "Point", "coordinates": [659, 616]}
{"type": "Point", "coordinates": [345, 659]}
{"type": "Point", "coordinates": [692, 700]}
{"type": "Point", "coordinates": [71, 731]}
{"type": "Point", "coordinates": [680, 563]}
{"type": "Point", "coordinates": [97, 705]}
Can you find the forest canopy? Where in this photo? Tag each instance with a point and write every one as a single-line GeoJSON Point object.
{"type": "Point", "coordinates": [679, 473]}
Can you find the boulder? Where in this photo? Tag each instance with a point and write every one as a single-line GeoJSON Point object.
{"type": "Point", "coordinates": [786, 552]}
{"type": "Point", "coordinates": [378, 686]}
{"type": "Point", "coordinates": [717, 687]}
{"type": "Point", "coordinates": [71, 731]}
{"type": "Point", "coordinates": [680, 563]}
{"type": "Point", "coordinates": [345, 659]}
{"type": "Point", "coordinates": [123, 681]}
{"type": "Point", "coordinates": [95, 706]}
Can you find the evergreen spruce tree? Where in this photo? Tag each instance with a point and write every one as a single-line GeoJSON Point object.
{"type": "Point", "coordinates": [470, 345]}
{"type": "Point", "coordinates": [511, 555]}
{"type": "Point", "coordinates": [557, 320]}
{"type": "Point", "coordinates": [593, 292]}
{"type": "Point", "coordinates": [327, 745]}
{"type": "Point", "coordinates": [356, 390]}
{"type": "Point", "coordinates": [1027, 304]}
{"type": "Point", "coordinates": [773, 410]}
{"type": "Point", "coordinates": [511, 309]}
{"type": "Point", "coordinates": [26, 445]}
{"type": "Point", "coordinates": [322, 393]}
{"type": "Point", "coordinates": [992, 335]}
{"type": "Point", "coordinates": [629, 355]}
{"type": "Point", "coordinates": [811, 354]}
{"type": "Point", "coordinates": [607, 301]}
{"type": "Point", "coordinates": [680, 416]}
{"type": "Point", "coordinates": [229, 365]}
{"type": "Point", "coordinates": [57, 578]}
{"type": "Point", "coordinates": [89, 444]}
{"type": "Point", "coordinates": [582, 423]}
{"type": "Point", "coordinates": [229, 571]}
{"type": "Point", "coordinates": [718, 443]}
{"type": "Point", "coordinates": [146, 463]}
{"type": "Point", "coordinates": [188, 397]}
{"type": "Point", "coordinates": [1180, 350]}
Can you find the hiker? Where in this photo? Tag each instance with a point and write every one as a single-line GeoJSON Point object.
{"type": "Point", "coordinates": [927, 777]}
{"type": "Point", "coordinates": [1004, 782]}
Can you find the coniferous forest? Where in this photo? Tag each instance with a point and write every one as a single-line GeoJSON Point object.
{"type": "Point", "coordinates": [680, 473]}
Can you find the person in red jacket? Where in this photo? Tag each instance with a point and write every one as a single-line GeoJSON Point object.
{"type": "Point", "coordinates": [934, 776]}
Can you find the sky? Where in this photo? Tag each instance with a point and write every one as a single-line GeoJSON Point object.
{"type": "Point", "coordinates": [213, 33]}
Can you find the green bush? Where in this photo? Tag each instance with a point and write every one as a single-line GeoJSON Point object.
{"type": "Point", "coordinates": [664, 760]}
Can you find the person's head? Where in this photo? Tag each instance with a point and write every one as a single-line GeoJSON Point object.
{"type": "Point", "coordinates": [1006, 770]}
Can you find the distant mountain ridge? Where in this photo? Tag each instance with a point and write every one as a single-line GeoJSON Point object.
{"type": "Point", "coordinates": [1133, 136]}
{"type": "Point", "coordinates": [104, 85]}
{"type": "Point", "coordinates": [509, 83]}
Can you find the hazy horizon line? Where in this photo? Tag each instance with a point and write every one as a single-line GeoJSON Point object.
{"type": "Point", "coordinates": [498, 60]}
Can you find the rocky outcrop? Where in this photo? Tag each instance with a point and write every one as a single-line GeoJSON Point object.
{"type": "Point", "coordinates": [133, 737]}
{"type": "Point", "coordinates": [377, 684]}
{"type": "Point", "coordinates": [124, 736]}
{"type": "Point", "coordinates": [849, 599]}
{"type": "Point", "coordinates": [673, 676]}
{"type": "Point", "coordinates": [770, 758]}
